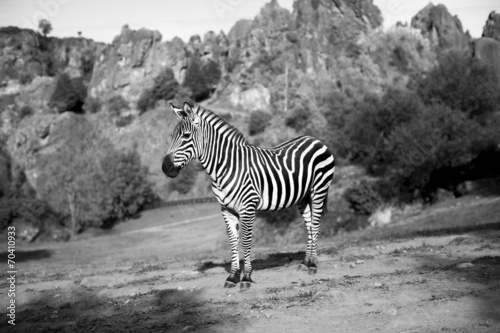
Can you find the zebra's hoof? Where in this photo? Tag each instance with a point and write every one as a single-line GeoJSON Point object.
{"type": "Point", "coordinates": [302, 267]}
{"type": "Point", "coordinates": [312, 270]}
{"type": "Point", "coordinates": [229, 284]}
{"type": "Point", "coordinates": [245, 284]}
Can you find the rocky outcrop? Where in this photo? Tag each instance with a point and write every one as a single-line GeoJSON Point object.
{"type": "Point", "coordinates": [487, 48]}
{"type": "Point", "coordinates": [492, 27]}
{"type": "Point", "coordinates": [25, 54]}
{"type": "Point", "coordinates": [444, 30]}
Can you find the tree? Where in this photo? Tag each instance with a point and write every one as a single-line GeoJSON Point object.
{"type": "Point", "coordinates": [202, 78]}
{"type": "Point", "coordinates": [91, 183]}
{"type": "Point", "coordinates": [45, 26]}
{"type": "Point", "coordinates": [69, 94]}
{"type": "Point", "coordinates": [165, 87]}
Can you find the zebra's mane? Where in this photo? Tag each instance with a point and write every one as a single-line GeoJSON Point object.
{"type": "Point", "coordinates": [205, 113]}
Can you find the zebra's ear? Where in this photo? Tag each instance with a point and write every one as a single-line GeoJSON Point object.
{"type": "Point", "coordinates": [180, 113]}
{"type": "Point", "coordinates": [195, 119]}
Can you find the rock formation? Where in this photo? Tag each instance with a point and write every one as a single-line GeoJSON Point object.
{"type": "Point", "coordinates": [492, 26]}
{"type": "Point", "coordinates": [444, 30]}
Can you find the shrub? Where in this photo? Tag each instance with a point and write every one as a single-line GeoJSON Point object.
{"type": "Point", "coordinates": [363, 198]}
{"type": "Point", "coordinates": [371, 126]}
{"type": "Point", "coordinates": [90, 183]}
{"type": "Point", "coordinates": [25, 111]}
{"type": "Point", "coordinates": [124, 121]}
{"type": "Point", "coordinates": [6, 101]}
{"type": "Point", "coordinates": [281, 217]}
{"type": "Point", "coordinates": [129, 189]}
{"type": "Point", "coordinates": [201, 79]}
{"type": "Point", "coordinates": [185, 180]}
{"type": "Point", "coordinates": [462, 83]}
{"type": "Point", "coordinates": [146, 101]}
{"type": "Point", "coordinates": [426, 151]}
{"type": "Point", "coordinates": [299, 118]}
{"type": "Point", "coordinates": [164, 88]}
{"type": "Point", "coordinates": [69, 94]}
{"type": "Point", "coordinates": [116, 105]}
{"type": "Point", "coordinates": [258, 122]}
{"type": "Point", "coordinates": [92, 104]}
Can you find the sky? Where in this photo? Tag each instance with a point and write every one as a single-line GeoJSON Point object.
{"type": "Point", "coordinates": [102, 20]}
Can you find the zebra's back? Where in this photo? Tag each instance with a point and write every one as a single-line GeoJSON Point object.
{"type": "Point", "coordinates": [288, 173]}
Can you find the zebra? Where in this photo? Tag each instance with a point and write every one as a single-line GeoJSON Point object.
{"type": "Point", "coordinates": [246, 179]}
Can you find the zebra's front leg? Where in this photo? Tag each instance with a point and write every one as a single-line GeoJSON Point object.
{"type": "Point", "coordinates": [247, 218]}
{"type": "Point", "coordinates": [232, 226]}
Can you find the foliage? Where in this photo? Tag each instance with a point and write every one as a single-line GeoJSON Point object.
{"type": "Point", "coordinates": [258, 122]}
{"type": "Point", "coordinates": [298, 119]}
{"type": "Point", "coordinates": [127, 185]}
{"type": "Point", "coordinates": [92, 104]}
{"type": "Point", "coordinates": [425, 151]}
{"type": "Point", "coordinates": [7, 101]}
{"type": "Point", "coordinates": [124, 121]}
{"type": "Point", "coordinates": [201, 78]}
{"type": "Point", "coordinates": [184, 182]}
{"type": "Point", "coordinates": [363, 198]}
{"type": "Point", "coordinates": [281, 217]}
{"type": "Point", "coordinates": [462, 83]}
{"type": "Point", "coordinates": [116, 105]}
{"type": "Point", "coordinates": [377, 117]}
{"type": "Point", "coordinates": [45, 26]}
{"type": "Point", "coordinates": [165, 87]}
{"type": "Point", "coordinates": [25, 111]}
{"type": "Point", "coordinates": [90, 183]}
{"type": "Point", "coordinates": [69, 94]}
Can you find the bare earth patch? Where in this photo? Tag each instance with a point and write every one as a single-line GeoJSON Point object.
{"type": "Point", "coordinates": [441, 273]}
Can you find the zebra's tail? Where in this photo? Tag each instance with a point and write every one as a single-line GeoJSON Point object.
{"type": "Point", "coordinates": [325, 205]}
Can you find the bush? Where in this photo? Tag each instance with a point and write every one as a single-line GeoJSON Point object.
{"type": "Point", "coordinates": [363, 199]}
{"type": "Point", "coordinates": [146, 101]}
{"type": "Point", "coordinates": [116, 105]}
{"type": "Point", "coordinates": [427, 151]}
{"type": "Point", "coordinates": [25, 111]}
{"type": "Point", "coordinates": [201, 79]}
{"type": "Point", "coordinates": [258, 122]}
{"type": "Point", "coordinates": [129, 189]}
{"type": "Point", "coordinates": [462, 83]}
{"type": "Point", "coordinates": [372, 125]}
{"type": "Point", "coordinates": [6, 101]}
{"type": "Point", "coordinates": [92, 104]}
{"type": "Point", "coordinates": [299, 119]}
{"type": "Point", "coordinates": [90, 183]}
{"type": "Point", "coordinates": [124, 121]}
{"type": "Point", "coordinates": [165, 87]}
{"type": "Point", "coordinates": [185, 180]}
{"type": "Point", "coordinates": [280, 218]}
{"type": "Point", "coordinates": [69, 94]}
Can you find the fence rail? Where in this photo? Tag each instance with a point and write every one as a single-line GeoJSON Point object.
{"type": "Point", "coordinates": [162, 204]}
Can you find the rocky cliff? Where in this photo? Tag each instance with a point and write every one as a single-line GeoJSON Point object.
{"type": "Point", "coordinates": [441, 28]}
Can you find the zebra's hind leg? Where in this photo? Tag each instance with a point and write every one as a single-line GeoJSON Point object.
{"type": "Point", "coordinates": [309, 263]}
{"type": "Point", "coordinates": [232, 226]}
{"type": "Point", "coordinates": [247, 218]}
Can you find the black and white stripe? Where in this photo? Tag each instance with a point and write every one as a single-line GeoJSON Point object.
{"type": "Point", "coordinates": [246, 178]}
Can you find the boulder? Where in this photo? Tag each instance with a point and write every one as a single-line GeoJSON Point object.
{"type": "Point", "coordinates": [444, 30]}
{"type": "Point", "coordinates": [492, 26]}
{"type": "Point", "coordinates": [256, 98]}
{"type": "Point", "coordinates": [487, 50]}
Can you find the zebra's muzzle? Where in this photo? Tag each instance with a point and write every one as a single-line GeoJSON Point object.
{"type": "Point", "coordinates": [168, 167]}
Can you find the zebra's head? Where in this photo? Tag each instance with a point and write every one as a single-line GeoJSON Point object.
{"type": "Point", "coordinates": [184, 141]}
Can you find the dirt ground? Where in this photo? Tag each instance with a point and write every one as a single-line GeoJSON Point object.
{"type": "Point", "coordinates": [435, 272]}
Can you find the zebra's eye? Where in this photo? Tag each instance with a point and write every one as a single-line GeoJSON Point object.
{"type": "Point", "coordinates": [186, 135]}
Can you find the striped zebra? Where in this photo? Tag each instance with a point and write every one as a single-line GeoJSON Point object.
{"type": "Point", "coordinates": [246, 179]}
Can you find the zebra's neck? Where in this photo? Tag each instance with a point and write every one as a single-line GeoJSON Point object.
{"type": "Point", "coordinates": [220, 140]}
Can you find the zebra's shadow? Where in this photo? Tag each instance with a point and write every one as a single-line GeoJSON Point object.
{"type": "Point", "coordinates": [263, 261]}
